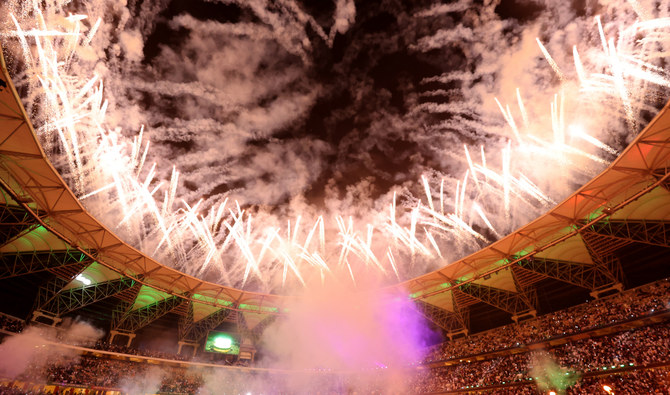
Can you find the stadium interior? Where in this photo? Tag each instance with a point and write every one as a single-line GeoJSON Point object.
{"type": "Point", "coordinates": [576, 301]}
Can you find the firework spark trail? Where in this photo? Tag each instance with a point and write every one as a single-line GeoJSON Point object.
{"type": "Point", "coordinates": [225, 239]}
{"type": "Point", "coordinates": [550, 60]}
{"type": "Point", "coordinates": [576, 130]}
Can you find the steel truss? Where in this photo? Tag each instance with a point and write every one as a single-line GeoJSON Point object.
{"type": "Point", "coordinates": [253, 335]}
{"type": "Point", "coordinates": [582, 275]}
{"type": "Point", "coordinates": [450, 321]}
{"type": "Point", "coordinates": [258, 330]}
{"type": "Point", "coordinates": [14, 223]}
{"type": "Point", "coordinates": [124, 319]}
{"type": "Point", "coordinates": [659, 174]}
{"type": "Point", "coordinates": [528, 292]}
{"type": "Point", "coordinates": [56, 301]}
{"type": "Point", "coordinates": [516, 303]}
{"type": "Point", "coordinates": [643, 231]}
{"type": "Point", "coordinates": [190, 331]}
{"type": "Point", "coordinates": [606, 262]}
{"type": "Point", "coordinates": [58, 262]}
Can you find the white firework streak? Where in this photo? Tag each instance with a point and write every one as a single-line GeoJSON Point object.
{"type": "Point", "coordinates": [103, 165]}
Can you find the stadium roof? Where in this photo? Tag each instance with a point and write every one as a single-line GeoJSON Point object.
{"type": "Point", "coordinates": [46, 229]}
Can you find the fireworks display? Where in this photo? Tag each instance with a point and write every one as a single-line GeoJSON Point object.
{"type": "Point", "coordinates": [185, 153]}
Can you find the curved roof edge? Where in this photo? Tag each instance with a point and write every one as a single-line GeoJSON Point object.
{"type": "Point", "coordinates": [641, 168]}
{"type": "Point", "coordinates": [32, 183]}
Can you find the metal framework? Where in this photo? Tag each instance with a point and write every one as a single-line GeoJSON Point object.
{"type": "Point", "coordinates": [607, 264]}
{"type": "Point", "coordinates": [258, 330]}
{"type": "Point", "coordinates": [253, 334]}
{"type": "Point", "coordinates": [14, 222]}
{"type": "Point", "coordinates": [125, 319]}
{"type": "Point", "coordinates": [57, 262]}
{"type": "Point", "coordinates": [515, 303]}
{"type": "Point", "coordinates": [652, 232]}
{"type": "Point", "coordinates": [582, 275]}
{"type": "Point", "coordinates": [448, 320]}
{"type": "Point", "coordinates": [63, 301]}
{"type": "Point", "coordinates": [194, 331]}
{"type": "Point", "coordinates": [243, 329]}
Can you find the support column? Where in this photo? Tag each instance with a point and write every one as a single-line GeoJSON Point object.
{"type": "Point", "coordinates": [114, 333]}
{"type": "Point", "coordinates": [456, 334]}
{"type": "Point", "coordinates": [525, 315]}
{"type": "Point", "coordinates": [194, 346]}
{"type": "Point", "coordinates": [37, 314]}
{"type": "Point", "coordinates": [247, 352]}
{"type": "Point", "coordinates": [611, 289]}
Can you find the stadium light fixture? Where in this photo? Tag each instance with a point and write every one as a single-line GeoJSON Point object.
{"type": "Point", "coordinates": [81, 278]}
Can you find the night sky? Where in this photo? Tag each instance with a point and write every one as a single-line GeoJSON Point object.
{"type": "Point", "coordinates": [309, 108]}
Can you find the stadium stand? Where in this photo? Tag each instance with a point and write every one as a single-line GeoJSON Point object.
{"type": "Point", "coordinates": [622, 341]}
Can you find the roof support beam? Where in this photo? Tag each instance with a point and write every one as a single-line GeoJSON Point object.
{"type": "Point", "coordinates": [450, 321]}
{"type": "Point", "coordinates": [47, 292]}
{"type": "Point", "coordinates": [659, 175]}
{"type": "Point", "coordinates": [515, 303]}
{"type": "Point", "coordinates": [257, 331]}
{"type": "Point", "coordinates": [644, 231]}
{"type": "Point", "coordinates": [582, 275]}
{"type": "Point", "coordinates": [18, 264]}
{"type": "Point", "coordinates": [243, 329]}
{"type": "Point", "coordinates": [124, 319]}
{"type": "Point", "coordinates": [14, 222]}
{"type": "Point", "coordinates": [190, 331]}
{"type": "Point", "coordinates": [253, 334]}
{"type": "Point", "coordinates": [528, 291]}
{"type": "Point", "coordinates": [65, 301]}
{"type": "Point", "coordinates": [607, 264]}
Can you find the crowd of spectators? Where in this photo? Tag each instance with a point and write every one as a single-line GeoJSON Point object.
{"type": "Point", "coordinates": [8, 389]}
{"type": "Point", "coordinates": [624, 360]}
{"type": "Point", "coordinates": [629, 350]}
{"type": "Point", "coordinates": [108, 373]}
{"type": "Point", "coordinates": [522, 373]}
{"type": "Point", "coordinates": [11, 324]}
{"type": "Point", "coordinates": [633, 361]}
{"type": "Point", "coordinates": [635, 303]}
{"type": "Point", "coordinates": [643, 346]}
{"type": "Point", "coordinates": [632, 349]}
{"type": "Point", "coordinates": [106, 346]}
{"type": "Point", "coordinates": [650, 381]}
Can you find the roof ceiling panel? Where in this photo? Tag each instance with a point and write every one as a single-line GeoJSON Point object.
{"type": "Point", "coordinates": [97, 274]}
{"type": "Point", "coordinates": [443, 300]}
{"type": "Point", "coordinates": [148, 296]}
{"type": "Point", "coordinates": [13, 141]}
{"type": "Point", "coordinates": [202, 310]}
{"type": "Point", "coordinates": [501, 279]}
{"type": "Point", "coordinates": [9, 106]}
{"type": "Point", "coordinates": [652, 206]}
{"type": "Point", "coordinates": [253, 319]}
{"type": "Point", "coordinates": [573, 249]}
{"type": "Point", "coordinates": [38, 239]}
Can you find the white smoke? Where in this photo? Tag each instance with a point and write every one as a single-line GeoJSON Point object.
{"type": "Point", "coordinates": [37, 346]}
{"type": "Point", "coordinates": [230, 104]}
